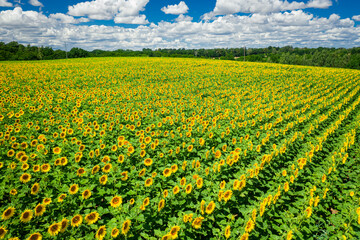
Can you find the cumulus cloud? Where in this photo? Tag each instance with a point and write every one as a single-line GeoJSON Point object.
{"type": "Point", "coordinates": [223, 7]}
{"type": "Point", "coordinates": [356, 18]}
{"type": "Point", "coordinates": [296, 28]}
{"type": "Point", "coordinates": [122, 11]}
{"type": "Point", "coordinates": [36, 3]}
{"type": "Point", "coordinates": [183, 18]}
{"type": "Point", "coordinates": [5, 3]}
{"type": "Point", "coordinates": [176, 9]}
{"type": "Point", "coordinates": [67, 19]}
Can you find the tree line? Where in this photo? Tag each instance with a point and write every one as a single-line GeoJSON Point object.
{"type": "Point", "coordinates": [327, 57]}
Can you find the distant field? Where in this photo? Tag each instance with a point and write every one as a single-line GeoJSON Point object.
{"type": "Point", "coordinates": [161, 148]}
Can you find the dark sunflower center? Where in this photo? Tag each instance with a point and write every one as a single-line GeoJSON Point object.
{"type": "Point", "coordinates": [26, 215]}
{"type": "Point", "coordinates": [8, 212]}
{"type": "Point", "coordinates": [54, 228]}
{"type": "Point", "coordinates": [39, 209]}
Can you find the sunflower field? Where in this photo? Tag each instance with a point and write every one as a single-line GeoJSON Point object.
{"type": "Point", "coordinates": [161, 148]}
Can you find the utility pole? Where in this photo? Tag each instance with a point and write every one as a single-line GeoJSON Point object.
{"type": "Point", "coordinates": [244, 52]}
{"type": "Point", "coordinates": [66, 50]}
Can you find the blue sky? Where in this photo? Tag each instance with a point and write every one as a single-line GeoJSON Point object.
{"type": "Point", "coordinates": [136, 24]}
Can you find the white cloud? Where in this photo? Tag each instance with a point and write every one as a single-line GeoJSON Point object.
{"type": "Point", "coordinates": [296, 28]}
{"type": "Point", "coordinates": [319, 3]}
{"type": "Point", "coordinates": [356, 18]}
{"type": "Point", "coordinates": [176, 9]}
{"type": "Point", "coordinates": [122, 11]}
{"type": "Point", "coordinates": [67, 19]}
{"type": "Point", "coordinates": [183, 18]}
{"type": "Point", "coordinates": [223, 7]}
{"type": "Point", "coordinates": [5, 3]}
{"type": "Point", "coordinates": [36, 3]}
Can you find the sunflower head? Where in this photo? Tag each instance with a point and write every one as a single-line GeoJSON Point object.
{"type": "Point", "coordinates": [101, 232]}
{"type": "Point", "coordinates": [35, 236]}
{"type": "Point", "coordinates": [74, 189]}
{"type": "Point", "coordinates": [3, 232]}
{"type": "Point", "coordinates": [54, 229]}
{"type": "Point", "coordinates": [92, 218]}
{"type": "Point", "coordinates": [114, 232]}
{"type": "Point", "coordinates": [210, 207]}
{"type": "Point", "coordinates": [25, 177]}
{"type": "Point", "coordinates": [126, 227]}
{"type": "Point", "coordinates": [26, 216]}
{"type": "Point", "coordinates": [86, 194]}
{"type": "Point", "coordinates": [76, 220]}
{"type": "Point", "coordinates": [39, 209]}
{"type": "Point", "coordinates": [35, 188]}
{"type": "Point", "coordinates": [8, 213]}
{"type": "Point", "coordinates": [116, 201]}
{"type": "Point", "coordinates": [64, 224]}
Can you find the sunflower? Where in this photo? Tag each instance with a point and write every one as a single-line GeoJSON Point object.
{"type": "Point", "coordinates": [218, 154]}
{"type": "Point", "coordinates": [8, 213]}
{"type": "Point", "coordinates": [101, 232]}
{"type": "Point", "coordinates": [161, 205]}
{"type": "Point", "coordinates": [176, 190]}
{"type": "Point", "coordinates": [121, 158]}
{"type": "Point", "coordinates": [124, 176]}
{"type": "Point", "coordinates": [26, 216]}
{"type": "Point", "coordinates": [12, 165]}
{"type": "Point", "coordinates": [286, 186]}
{"type": "Point", "coordinates": [54, 229]}
{"type": "Point", "coordinates": [308, 211]}
{"type": "Point", "coordinates": [227, 232]}
{"type": "Point", "coordinates": [148, 182]}
{"type": "Point", "coordinates": [167, 237]}
{"type": "Point", "coordinates": [95, 169]}
{"type": "Point", "coordinates": [35, 236]}
{"type": "Point", "coordinates": [39, 209]}
{"type": "Point", "coordinates": [10, 153]}
{"type": "Point", "coordinates": [25, 177]}
{"type": "Point", "coordinates": [45, 167]}
{"type": "Point", "coordinates": [289, 235]}
{"type": "Point", "coordinates": [86, 194]}
{"type": "Point", "coordinates": [142, 172]}
{"type": "Point", "coordinates": [245, 236]}
{"type": "Point", "coordinates": [62, 197]}
{"type": "Point", "coordinates": [35, 188]}
{"type": "Point", "coordinates": [107, 168]}
{"type": "Point", "coordinates": [174, 168]}
{"type": "Point", "coordinates": [126, 227]}
{"type": "Point", "coordinates": [250, 225]}
{"type": "Point", "coordinates": [146, 201]}
{"type": "Point", "coordinates": [167, 172]}
{"type": "Point", "coordinates": [46, 201]}
{"type": "Point", "coordinates": [227, 195]}
{"type": "Point", "coordinates": [92, 218]}
{"type": "Point", "coordinates": [80, 172]}
{"type": "Point", "coordinates": [188, 188]}
{"type": "Point", "coordinates": [13, 192]}
{"type": "Point", "coordinates": [57, 150]}
{"type": "Point", "coordinates": [64, 224]}
{"type": "Point", "coordinates": [148, 162]}
{"type": "Point", "coordinates": [210, 207]}
{"type": "Point", "coordinates": [76, 220]}
{"type": "Point", "coordinates": [103, 179]}
{"type": "Point", "coordinates": [74, 189]}
{"type": "Point", "coordinates": [24, 167]}
{"type": "Point", "coordinates": [132, 201]}
{"type": "Point", "coordinates": [64, 161]}
{"type": "Point", "coordinates": [197, 222]}
{"type": "Point", "coordinates": [222, 184]}
{"type": "Point", "coordinates": [174, 232]}
{"type": "Point", "coordinates": [3, 232]}
{"type": "Point", "coordinates": [116, 201]}
{"type": "Point", "coordinates": [114, 232]}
